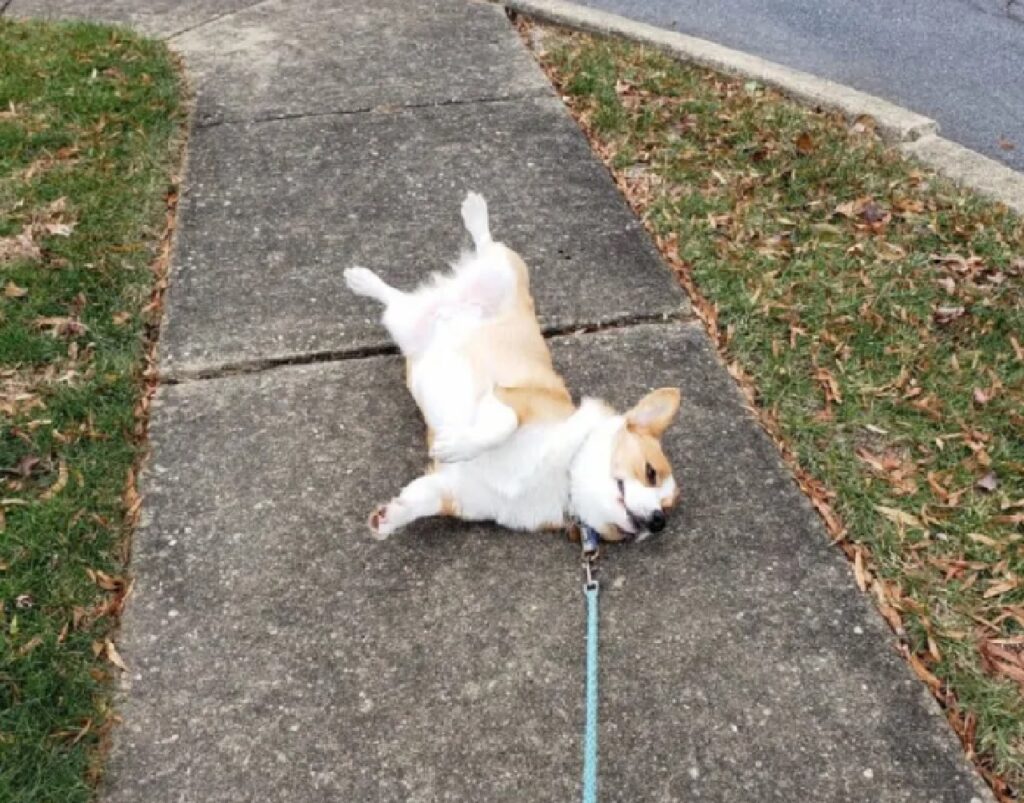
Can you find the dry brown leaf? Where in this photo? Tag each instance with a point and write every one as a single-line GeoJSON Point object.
{"type": "Point", "coordinates": [937, 487]}
{"type": "Point", "coordinates": [1012, 518]}
{"type": "Point", "coordinates": [13, 291]}
{"type": "Point", "coordinates": [880, 463]}
{"type": "Point", "coordinates": [830, 385]}
{"type": "Point", "coordinates": [62, 327]}
{"type": "Point", "coordinates": [864, 124]}
{"type": "Point", "coordinates": [900, 517]}
{"type": "Point", "coordinates": [859, 572]}
{"type": "Point", "coordinates": [30, 645]}
{"type": "Point", "coordinates": [1000, 659]}
{"type": "Point", "coordinates": [804, 144]}
{"type": "Point", "coordinates": [104, 580]}
{"type": "Point", "coordinates": [890, 252]}
{"type": "Point", "coordinates": [924, 673]}
{"type": "Point", "coordinates": [892, 616]}
{"type": "Point", "coordinates": [19, 247]}
{"type": "Point", "coordinates": [988, 483]}
{"type": "Point", "coordinates": [113, 656]}
{"type": "Point", "coordinates": [58, 486]}
{"type": "Point", "coordinates": [999, 587]}
{"type": "Point", "coordinates": [946, 315]}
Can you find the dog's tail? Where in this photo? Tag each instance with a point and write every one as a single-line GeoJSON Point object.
{"type": "Point", "coordinates": [474, 216]}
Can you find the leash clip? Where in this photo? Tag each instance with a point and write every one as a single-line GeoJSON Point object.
{"type": "Point", "coordinates": [591, 574]}
{"type": "Point", "coordinates": [590, 543]}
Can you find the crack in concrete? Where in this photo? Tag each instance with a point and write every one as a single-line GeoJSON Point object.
{"type": "Point", "coordinates": [213, 19]}
{"type": "Point", "coordinates": [380, 109]}
{"type": "Point", "coordinates": [260, 365]}
{"type": "Point", "coordinates": [4, 6]}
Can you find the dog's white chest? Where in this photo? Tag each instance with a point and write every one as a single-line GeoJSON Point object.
{"type": "Point", "coordinates": [522, 484]}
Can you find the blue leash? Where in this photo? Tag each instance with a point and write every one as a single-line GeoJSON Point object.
{"type": "Point", "coordinates": [589, 540]}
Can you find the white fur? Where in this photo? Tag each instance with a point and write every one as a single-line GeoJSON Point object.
{"type": "Point", "coordinates": [524, 477]}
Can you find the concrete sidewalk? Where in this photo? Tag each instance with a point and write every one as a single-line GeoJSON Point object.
{"type": "Point", "coordinates": [278, 653]}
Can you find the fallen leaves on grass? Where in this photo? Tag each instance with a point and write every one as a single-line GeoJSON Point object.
{"type": "Point", "coordinates": [20, 247]}
{"type": "Point", "coordinates": [1004, 656]}
{"type": "Point", "coordinates": [822, 267]}
{"type": "Point", "coordinates": [895, 469]}
{"type": "Point", "coordinates": [62, 326]}
{"type": "Point", "coordinates": [54, 220]}
{"type": "Point", "coordinates": [945, 315]}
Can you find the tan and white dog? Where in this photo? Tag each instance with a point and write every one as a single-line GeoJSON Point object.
{"type": "Point", "coordinates": [507, 442]}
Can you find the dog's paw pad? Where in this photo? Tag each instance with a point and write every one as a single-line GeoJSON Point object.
{"type": "Point", "coordinates": [380, 527]}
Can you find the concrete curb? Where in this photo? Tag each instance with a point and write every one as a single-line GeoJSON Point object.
{"type": "Point", "coordinates": [970, 168]}
{"type": "Point", "coordinates": [915, 134]}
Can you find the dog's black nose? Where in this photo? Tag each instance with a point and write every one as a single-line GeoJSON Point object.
{"type": "Point", "coordinates": [656, 523]}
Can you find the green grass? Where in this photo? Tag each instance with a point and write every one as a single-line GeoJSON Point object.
{"type": "Point", "coordinates": [93, 116]}
{"type": "Point", "coordinates": [878, 312]}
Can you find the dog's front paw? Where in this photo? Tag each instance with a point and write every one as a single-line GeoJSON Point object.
{"type": "Point", "coordinates": [453, 448]}
{"type": "Point", "coordinates": [381, 523]}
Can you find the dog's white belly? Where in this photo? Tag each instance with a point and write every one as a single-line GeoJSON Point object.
{"type": "Point", "coordinates": [514, 484]}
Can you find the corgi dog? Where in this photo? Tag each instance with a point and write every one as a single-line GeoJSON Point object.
{"type": "Point", "coordinates": [506, 441]}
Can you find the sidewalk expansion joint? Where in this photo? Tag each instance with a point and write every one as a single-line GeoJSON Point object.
{"type": "Point", "coordinates": [543, 92]}
{"type": "Point", "coordinates": [616, 324]}
{"type": "Point", "coordinates": [260, 365]}
{"type": "Point", "coordinates": [215, 18]}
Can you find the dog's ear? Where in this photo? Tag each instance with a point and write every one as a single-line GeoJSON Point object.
{"type": "Point", "coordinates": [654, 412]}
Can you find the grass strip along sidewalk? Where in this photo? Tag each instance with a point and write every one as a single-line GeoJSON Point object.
{"type": "Point", "coordinates": [91, 129]}
{"type": "Point", "coordinates": [875, 316]}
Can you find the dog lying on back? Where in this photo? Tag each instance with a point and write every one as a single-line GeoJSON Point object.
{"type": "Point", "coordinates": [507, 442]}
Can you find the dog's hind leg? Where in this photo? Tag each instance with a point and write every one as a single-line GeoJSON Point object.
{"type": "Point", "coordinates": [407, 316]}
{"type": "Point", "coordinates": [425, 496]}
{"type": "Point", "coordinates": [364, 282]}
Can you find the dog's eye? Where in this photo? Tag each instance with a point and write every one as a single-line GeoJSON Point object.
{"type": "Point", "coordinates": [621, 486]}
{"type": "Point", "coordinates": [652, 475]}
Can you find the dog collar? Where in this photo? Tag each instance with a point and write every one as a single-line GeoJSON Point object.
{"type": "Point", "coordinates": [590, 539]}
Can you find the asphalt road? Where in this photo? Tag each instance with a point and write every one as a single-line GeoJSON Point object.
{"type": "Point", "coordinates": [960, 62]}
